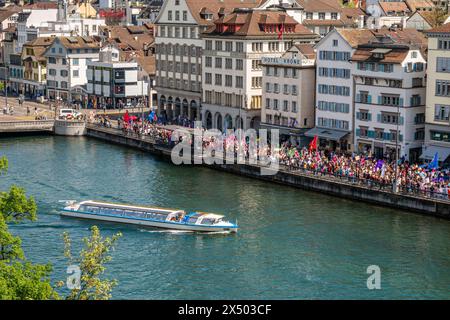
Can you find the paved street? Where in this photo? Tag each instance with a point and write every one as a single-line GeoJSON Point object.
{"type": "Point", "coordinates": [20, 112]}
{"type": "Point", "coordinates": [46, 109]}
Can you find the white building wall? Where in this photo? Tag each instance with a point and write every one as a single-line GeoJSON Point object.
{"type": "Point", "coordinates": [408, 125]}
{"type": "Point", "coordinates": [166, 36]}
{"type": "Point", "coordinates": [247, 113]}
{"type": "Point", "coordinates": [329, 44]}
{"type": "Point", "coordinates": [105, 4]}
{"type": "Point", "coordinates": [434, 122]}
{"type": "Point", "coordinates": [304, 98]}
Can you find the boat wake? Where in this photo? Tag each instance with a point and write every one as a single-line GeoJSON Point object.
{"type": "Point", "coordinates": [217, 232]}
{"type": "Point", "coordinates": [166, 231]}
{"type": "Point", "coordinates": [183, 231]}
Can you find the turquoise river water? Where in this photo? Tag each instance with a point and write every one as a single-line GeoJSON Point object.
{"type": "Point", "coordinates": [292, 244]}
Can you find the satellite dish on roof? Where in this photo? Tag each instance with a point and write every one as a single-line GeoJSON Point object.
{"type": "Point", "coordinates": [374, 10]}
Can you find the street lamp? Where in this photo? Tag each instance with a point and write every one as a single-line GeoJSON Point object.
{"type": "Point", "coordinates": [396, 150]}
{"type": "Point", "coordinates": [240, 103]}
{"type": "Point", "coordinates": [6, 85]}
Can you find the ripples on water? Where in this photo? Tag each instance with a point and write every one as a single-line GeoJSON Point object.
{"type": "Point", "coordinates": [292, 244]}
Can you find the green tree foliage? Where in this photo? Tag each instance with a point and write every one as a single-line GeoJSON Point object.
{"type": "Point", "coordinates": [348, 4]}
{"type": "Point", "coordinates": [19, 279]}
{"type": "Point", "coordinates": [91, 262]}
{"type": "Point", "coordinates": [436, 17]}
{"type": "Point", "coordinates": [10, 246]}
{"type": "Point", "coordinates": [3, 165]}
{"type": "Point", "coordinates": [15, 206]}
{"type": "Point", "coordinates": [22, 280]}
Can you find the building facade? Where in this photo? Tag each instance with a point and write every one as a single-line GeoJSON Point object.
{"type": "Point", "coordinates": [319, 16]}
{"type": "Point", "coordinates": [35, 67]}
{"type": "Point", "coordinates": [334, 88]}
{"type": "Point", "coordinates": [8, 19]}
{"type": "Point", "coordinates": [288, 82]}
{"type": "Point", "coordinates": [178, 49]}
{"type": "Point", "coordinates": [67, 59]}
{"type": "Point", "coordinates": [31, 18]}
{"type": "Point", "coordinates": [389, 100]}
{"type": "Point", "coordinates": [335, 81]}
{"type": "Point", "coordinates": [437, 127]}
{"type": "Point", "coordinates": [112, 83]}
{"type": "Point", "coordinates": [232, 69]}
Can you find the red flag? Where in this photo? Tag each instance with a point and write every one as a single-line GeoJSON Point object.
{"type": "Point", "coordinates": [280, 31]}
{"type": "Point", "coordinates": [126, 117]}
{"type": "Point", "coordinates": [313, 144]}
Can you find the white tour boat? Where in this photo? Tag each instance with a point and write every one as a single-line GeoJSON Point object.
{"type": "Point", "coordinates": [148, 216]}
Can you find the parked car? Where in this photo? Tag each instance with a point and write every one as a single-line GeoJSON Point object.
{"type": "Point", "coordinates": [69, 114]}
{"type": "Point", "coordinates": [41, 99]}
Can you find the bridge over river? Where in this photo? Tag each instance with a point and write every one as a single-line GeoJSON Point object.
{"type": "Point", "coordinates": [18, 126]}
{"type": "Point", "coordinates": [60, 127]}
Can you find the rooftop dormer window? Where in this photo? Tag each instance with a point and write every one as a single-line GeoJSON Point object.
{"type": "Point", "coordinates": [380, 53]}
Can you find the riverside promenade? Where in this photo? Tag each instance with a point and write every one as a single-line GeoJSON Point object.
{"type": "Point", "coordinates": [343, 188]}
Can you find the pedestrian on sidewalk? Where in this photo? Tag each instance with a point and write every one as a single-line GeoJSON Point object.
{"type": "Point", "coordinates": [28, 111]}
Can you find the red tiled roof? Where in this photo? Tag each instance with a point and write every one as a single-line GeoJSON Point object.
{"type": "Point", "coordinates": [320, 5]}
{"type": "Point", "coordinates": [445, 28]}
{"type": "Point", "coordinates": [410, 37]}
{"type": "Point", "coordinates": [148, 63]}
{"type": "Point", "coordinates": [307, 50]}
{"type": "Point", "coordinates": [394, 56]}
{"type": "Point", "coordinates": [419, 4]}
{"type": "Point", "coordinates": [42, 6]}
{"type": "Point", "coordinates": [394, 6]}
{"type": "Point", "coordinates": [250, 23]}
{"type": "Point", "coordinates": [198, 7]}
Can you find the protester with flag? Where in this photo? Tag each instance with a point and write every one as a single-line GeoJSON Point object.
{"type": "Point", "coordinates": [313, 144]}
{"type": "Point", "coordinates": [126, 117]}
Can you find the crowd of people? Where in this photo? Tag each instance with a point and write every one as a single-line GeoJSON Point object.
{"type": "Point", "coordinates": [413, 178]}
{"type": "Point", "coordinates": [363, 169]}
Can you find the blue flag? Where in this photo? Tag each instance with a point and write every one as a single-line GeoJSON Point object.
{"type": "Point", "coordinates": [434, 164]}
{"type": "Point", "coordinates": [379, 164]}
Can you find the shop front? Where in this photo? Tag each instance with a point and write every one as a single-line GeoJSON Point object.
{"type": "Point", "coordinates": [295, 136]}
{"type": "Point", "coordinates": [331, 139]}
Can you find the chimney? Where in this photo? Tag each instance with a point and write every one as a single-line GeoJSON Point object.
{"type": "Point", "coordinates": [361, 22]}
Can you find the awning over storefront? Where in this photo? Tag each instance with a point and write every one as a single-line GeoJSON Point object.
{"type": "Point", "coordinates": [330, 134]}
{"type": "Point", "coordinates": [429, 152]}
{"type": "Point", "coordinates": [283, 129]}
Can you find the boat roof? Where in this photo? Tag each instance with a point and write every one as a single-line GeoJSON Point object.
{"type": "Point", "coordinates": [127, 206]}
{"type": "Point", "coordinates": [209, 215]}
{"type": "Point", "coordinates": [168, 210]}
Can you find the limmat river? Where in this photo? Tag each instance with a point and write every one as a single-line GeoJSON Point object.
{"type": "Point", "coordinates": [292, 244]}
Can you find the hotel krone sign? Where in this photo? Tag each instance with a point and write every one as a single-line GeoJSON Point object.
{"type": "Point", "coordinates": [286, 61]}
